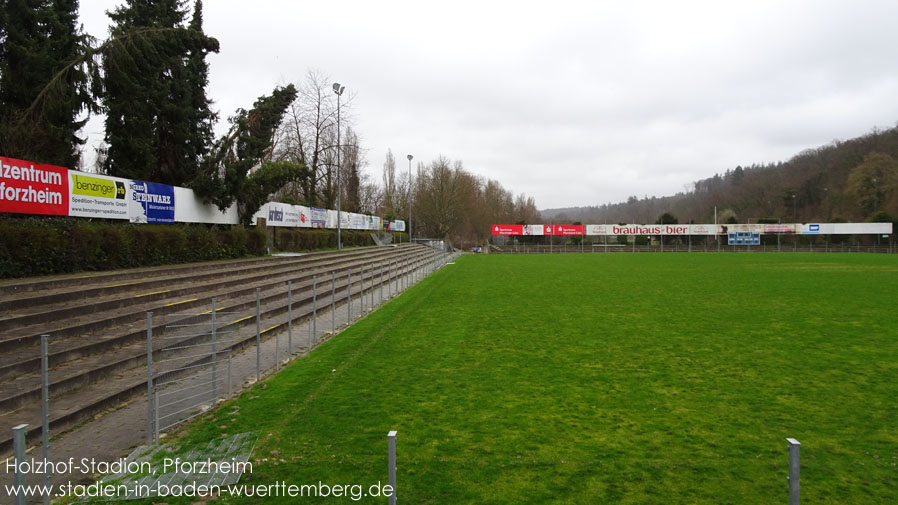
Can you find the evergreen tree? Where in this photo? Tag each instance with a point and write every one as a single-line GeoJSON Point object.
{"type": "Point", "coordinates": [159, 122]}
{"type": "Point", "coordinates": [43, 91]}
{"type": "Point", "coordinates": [239, 168]}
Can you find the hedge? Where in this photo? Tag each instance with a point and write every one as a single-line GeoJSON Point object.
{"type": "Point", "coordinates": [41, 246]}
{"type": "Point", "coordinates": [297, 240]}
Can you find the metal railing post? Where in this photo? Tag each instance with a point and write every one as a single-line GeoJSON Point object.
{"type": "Point", "coordinates": [150, 427]}
{"type": "Point", "coordinates": [333, 303]}
{"type": "Point", "coordinates": [315, 308]}
{"type": "Point", "coordinates": [20, 479]}
{"type": "Point", "coordinates": [794, 471]}
{"type": "Point", "coordinates": [156, 417]}
{"type": "Point", "coordinates": [348, 297]}
{"type": "Point", "coordinates": [214, 355]}
{"type": "Point", "coordinates": [391, 462]}
{"type": "Point", "coordinates": [258, 336]}
{"type": "Point", "coordinates": [289, 319]}
{"type": "Point", "coordinates": [45, 412]}
{"type": "Point", "coordinates": [229, 373]}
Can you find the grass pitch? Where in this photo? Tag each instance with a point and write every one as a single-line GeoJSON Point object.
{"type": "Point", "coordinates": [599, 378]}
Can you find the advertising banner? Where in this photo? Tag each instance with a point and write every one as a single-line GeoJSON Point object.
{"type": "Point", "coordinates": [565, 229]}
{"type": "Point", "coordinates": [846, 228]}
{"type": "Point", "coordinates": [319, 217]}
{"type": "Point", "coordinates": [30, 188]}
{"type": "Point", "coordinates": [358, 221]}
{"type": "Point", "coordinates": [191, 209]}
{"type": "Point", "coordinates": [305, 216]}
{"type": "Point", "coordinates": [508, 229]}
{"type": "Point", "coordinates": [98, 196]}
{"type": "Point", "coordinates": [151, 203]}
{"type": "Point", "coordinates": [779, 228]}
{"type": "Point", "coordinates": [746, 228]}
{"type": "Point", "coordinates": [533, 229]}
{"type": "Point", "coordinates": [703, 229]}
{"type": "Point", "coordinates": [281, 214]}
{"type": "Point", "coordinates": [598, 229]}
{"type": "Point", "coordinates": [330, 220]}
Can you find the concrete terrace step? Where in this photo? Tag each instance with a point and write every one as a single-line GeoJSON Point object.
{"type": "Point", "coordinates": [91, 373]}
{"type": "Point", "coordinates": [25, 302]}
{"type": "Point", "coordinates": [19, 355]}
{"type": "Point", "coordinates": [16, 331]}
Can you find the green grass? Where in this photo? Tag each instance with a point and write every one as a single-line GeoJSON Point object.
{"type": "Point", "coordinates": [618, 379]}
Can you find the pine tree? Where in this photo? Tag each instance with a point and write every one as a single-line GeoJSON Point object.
{"type": "Point", "coordinates": [42, 93]}
{"type": "Point", "coordinates": [240, 169]}
{"type": "Point", "coordinates": [159, 122]}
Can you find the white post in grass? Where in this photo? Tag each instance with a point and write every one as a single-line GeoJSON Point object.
{"type": "Point", "coordinates": [391, 461]}
{"type": "Point", "coordinates": [794, 471]}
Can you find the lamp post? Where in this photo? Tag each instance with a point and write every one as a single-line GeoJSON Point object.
{"type": "Point", "coordinates": [409, 196]}
{"type": "Point", "coordinates": [338, 89]}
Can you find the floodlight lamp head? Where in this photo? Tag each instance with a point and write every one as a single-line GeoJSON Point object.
{"type": "Point", "coordinates": [410, 157]}
{"type": "Point", "coordinates": [338, 89]}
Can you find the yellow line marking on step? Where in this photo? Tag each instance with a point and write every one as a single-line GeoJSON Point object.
{"type": "Point", "coordinates": [210, 310]}
{"type": "Point", "coordinates": [182, 301]}
{"type": "Point", "coordinates": [119, 285]}
{"type": "Point", "coordinates": [242, 319]}
{"type": "Point", "coordinates": [268, 329]}
{"type": "Point", "coordinates": [153, 293]}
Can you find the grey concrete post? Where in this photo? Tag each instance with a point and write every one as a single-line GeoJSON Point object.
{"type": "Point", "coordinates": [214, 355]}
{"type": "Point", "coordinates": [150, 427]}
{"type": "Point", "coordinates": [45, 411]}
{"type": "Point", "coordinates": [391, 462]}
{"type": "Point", "coordinates": [156, 420]}
{"type": "Point", "coordinates": [333, 303]}
{"type": "Point", "coordinates": [315, 308]}
{"type": "Point", "coordinates": [381, 284]}
{"type": "Point", "coordinates": [362, 291]}
{"type": "Point", "coordinates": [794, 471]}
{"type": "Point", "coordinates": [229, 373]}
{"type": "Point", "coordinates": [348, 297]}
{"type": "Point", "coordinates": [289, 319]}
{"type": "Point", "coordinates": [258, 336]}
{"type": "Point", "coordinates": [18, 444]}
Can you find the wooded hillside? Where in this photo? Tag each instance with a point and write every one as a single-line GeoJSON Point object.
{"type": "Point", "coordinates": [853, 180]}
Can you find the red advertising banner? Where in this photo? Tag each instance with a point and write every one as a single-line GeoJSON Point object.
{"type": "Point", "coordinates": [570, 229]}
{"type": "Point", "coordinates": [29, 188]}
{"type": "Point", "coordinates": [564, 229]}
{"type": "Point", "coordinates": [508, 229]}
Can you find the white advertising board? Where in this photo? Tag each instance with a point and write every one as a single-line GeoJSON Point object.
{"type": "Point", "coordinates": [92, 195]}
{"type": "Point", "coordinates": [190, 209]}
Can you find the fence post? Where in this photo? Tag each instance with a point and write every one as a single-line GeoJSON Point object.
{"type": "Point", "coordinates": [333, 303]}
{"type": "Point", "coordinates": [289, 319]}
{"type": "Point", "coordinates": [18, 444]}
{"type": "Point", "coordinates": [315, 308]}
{"type": "Point", "coordinates": [156, 415]}
{"type": "Point", "coordinates": [381, 283]}
{"type": "Point", "coordinates": [391, 461]}
{"type": "Point", "coordinates": [258, 336]}
{"type": "Point", "coordinates": [794, 470]}
{"type": "Point", "coordinates": [214, 356]}
{"type": "Point", "coordinates": [150, 426]}
{"type": "Point", "coordinates": [348, 297]}
{"type": "Point", "coordinates": [361, 291]}
{"type": "Point", "coordinates": [45, 411]}
{"type": "Point", "coordinates": [229, 373]}
{"type": "Point", "coordinates": [371, 279]}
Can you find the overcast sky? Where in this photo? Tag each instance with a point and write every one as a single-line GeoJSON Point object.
{"type": "Point", "coordinates": [573, 103]}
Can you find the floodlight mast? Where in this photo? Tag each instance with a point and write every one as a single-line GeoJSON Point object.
{"type": "Point", "coordinates": [409, 196]}
{"type": "Point", "coordinates": [338, 89]}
